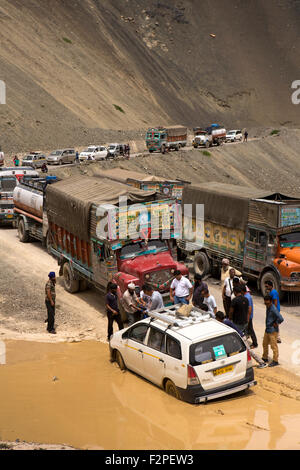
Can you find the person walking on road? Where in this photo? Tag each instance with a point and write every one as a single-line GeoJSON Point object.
{"type": "Point", "coordinates": [112, 309]}
{"type": "Point", "coordinates": [245, 136]}
{"type": "Point", "coordinates": [273, 319]}
{"type": "Point", "coordinates": [50, 296]}
{"type": "Point", "coordinates": [221, 318]}
{"type": "Point", "coordinates": [181, 289]}
{"type": "Point", "coordinates": [77, 157]}
{"type": "Point", "coordinates": [16, 160]}
{"type": "Point", "coordinates": [250, 328]}
{"type": "Point", "coordinates": [275, 300]}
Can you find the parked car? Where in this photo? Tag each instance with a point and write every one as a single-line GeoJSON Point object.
{"type": "Point", "coordinates": [101, 154]}
{"type": "Point", "coordinates": [90, 152]}
{"type": "Point", "coordinates": [234, 135]}
{"type": "Point", "coordinates": [34, 159]}
{"type": "Point", "coordinates": [58, 157]}
{"type": "Point", "coordinates": [193, 358]}
{"type": "Point", "coordinates": [114, 150]}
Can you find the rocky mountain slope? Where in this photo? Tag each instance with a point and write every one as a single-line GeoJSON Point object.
{"type": "Point", "coordinates": [72, 68]}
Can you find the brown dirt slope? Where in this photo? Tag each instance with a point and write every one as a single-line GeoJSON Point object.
{"type": "Point", "coordinates": [67, 63]}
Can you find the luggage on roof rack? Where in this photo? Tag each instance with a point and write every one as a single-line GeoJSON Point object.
{"type": "Point", "coordinates": [170, 316]}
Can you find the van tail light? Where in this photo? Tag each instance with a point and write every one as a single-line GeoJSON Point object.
{"type": "Point", "coordinates": [249, 359]}
{"type": "Point", "coordinates": [192, 376]}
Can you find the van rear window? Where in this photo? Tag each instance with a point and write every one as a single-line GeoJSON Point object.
{"type": "Point", "coordinates": [216, 348]}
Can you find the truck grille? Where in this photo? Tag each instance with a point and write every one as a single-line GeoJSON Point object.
{"type": "Point", "coordinates": [160, 280]}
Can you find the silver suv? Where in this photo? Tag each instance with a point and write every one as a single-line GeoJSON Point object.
{"type": "Point", "coordinates": [34, 159]}
{"type": "Point", "coordinates": [58, 157]}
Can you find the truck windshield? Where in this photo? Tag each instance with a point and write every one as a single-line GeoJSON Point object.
{"type": "Point", "coordinates": [141, 248]}
{"type": "Point", "coordinates": [290, 240]}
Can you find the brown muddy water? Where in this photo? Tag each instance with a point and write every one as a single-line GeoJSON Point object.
{"type": "Point", "coordinates": [69, 393]}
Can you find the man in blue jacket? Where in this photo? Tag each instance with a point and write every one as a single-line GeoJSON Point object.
{"type": "Point", "coordinates": [273, 319]}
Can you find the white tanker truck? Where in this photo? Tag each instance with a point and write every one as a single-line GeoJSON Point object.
{"type": "Point", "coordinates": [31, 216]}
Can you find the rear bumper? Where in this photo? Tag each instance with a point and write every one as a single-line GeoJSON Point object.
{"type": "Point", "coordinates": [196, 394]}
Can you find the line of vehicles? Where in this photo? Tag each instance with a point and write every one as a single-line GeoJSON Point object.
{"type": "Point", "coordinates": [164, 139]}
{"type": "Point", "coordinates": [95, 240]}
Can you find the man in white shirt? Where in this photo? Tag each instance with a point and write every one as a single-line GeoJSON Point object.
{"type": "Point", "coordinates": [210, 301]}
{"type": "Point", "coordinates": [228, 291]}
{"type": "Point", "coordinates": [181, 289]}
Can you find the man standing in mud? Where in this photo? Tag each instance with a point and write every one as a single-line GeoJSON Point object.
{"type": "Point", "coordinates": [50, 296]}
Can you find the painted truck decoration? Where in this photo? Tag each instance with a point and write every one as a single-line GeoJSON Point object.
{"type": "Point", "coordinates": [259, 232]}
{"type": "Point", "coordinates": [95, 243]}
{"type": "Point", "coordinates": [162, 139]}
{"type": "Point", "coordinates": [167, 187]}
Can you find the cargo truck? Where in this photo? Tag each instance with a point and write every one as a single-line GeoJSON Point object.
{"type": "Point", "coordinates": [212, 135]}
{"type": "Point", "coordinates": [30, 209]}
{"type": "Point", "coordinates": [122, 253]}
{"type": "Point", "coordinates": [257, 230]}
{"type": "Point", "coordinates": [163, 139]}
{"type": "Point", "coordinates": [166, 186]}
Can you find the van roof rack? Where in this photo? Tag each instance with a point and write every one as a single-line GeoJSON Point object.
{"type": "Point", "coordinates": [170, 316]}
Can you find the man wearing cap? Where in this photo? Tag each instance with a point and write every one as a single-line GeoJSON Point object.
{"type": "Point", "coordinates": [50, 301]}
{"type": "Point", "coordinates": [225, 270]}
{"type": "Point", "coordinates": [131, 304]}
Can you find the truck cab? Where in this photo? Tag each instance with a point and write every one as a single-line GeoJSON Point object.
{"type": "Point", "coordinates": [151, 263]}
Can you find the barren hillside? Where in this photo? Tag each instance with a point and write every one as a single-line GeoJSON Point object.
{"type": "Point", "coordinates": [74, 68]}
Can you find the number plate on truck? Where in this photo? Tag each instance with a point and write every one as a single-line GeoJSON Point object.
{"type": "Point", "coordinates": [223, 370]}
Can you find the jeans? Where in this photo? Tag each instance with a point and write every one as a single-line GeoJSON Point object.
{"type": "Point", "coordinates": [180, 300]}
{"type": "Point", "coordinates": [51, 315]}
{"type": "Point", "coordinates": [251, 332]}
{"type": "Point", "coordinates": [226, 305]}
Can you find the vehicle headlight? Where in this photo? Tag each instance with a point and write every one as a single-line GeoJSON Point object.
{"type": "Point", "coordinates": [147, 276]}
{"type": "Point", "coordinates": [172, 271]}
{"type": "Point", "coordinates": [295, 275]}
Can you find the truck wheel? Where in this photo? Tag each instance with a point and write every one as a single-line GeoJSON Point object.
{"type": "Point", "coordinates": [201, 264]}
{"type": "Point", "coordinates": [271, 276]}
{"type": "Point", "coordinates": [71, 284]}
{"type": "Point", "coordinates": [150, 151]}
{"type": "Point", "coordinates": [177, 148]}
{"type": "Point", "coordinates": [120, 360]}
{"type": "Point", "coordinates": [83, 285]}
{"type": "Point", "coordinates": [171, 389]}
{"type": "Point", "coordinates": [22, 232]}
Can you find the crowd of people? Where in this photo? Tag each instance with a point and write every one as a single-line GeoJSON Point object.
{"type": "Point", "coordinates": [237, 303]}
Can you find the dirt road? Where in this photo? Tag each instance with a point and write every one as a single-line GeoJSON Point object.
{"type": "Point", "coordinates": [45, 375]}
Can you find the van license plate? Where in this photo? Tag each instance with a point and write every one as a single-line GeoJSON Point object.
{"type": "Point", "coordinates": [9, 216]}
{"type": "Point", "coordinates": [223, 370]}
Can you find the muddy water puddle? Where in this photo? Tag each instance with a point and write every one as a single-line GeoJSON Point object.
{"type": "Point", "coordinates": [69, 393]}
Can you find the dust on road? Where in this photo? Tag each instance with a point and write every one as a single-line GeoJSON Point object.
{"type": "Point", "coordinates": [71, 394]}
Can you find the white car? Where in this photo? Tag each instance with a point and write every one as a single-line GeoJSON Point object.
{"type": "Point", "coordinates": [194, 358]}
{"type": "Point", "coordinates": [101, 153]}
{"type": "Point", "coordinates": [89, 153]}
{"type": "Point", "coordinates": [234, 135]}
